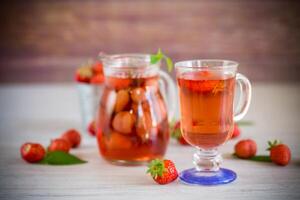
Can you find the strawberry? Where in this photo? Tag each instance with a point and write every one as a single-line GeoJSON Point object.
{"type": "Point", "coordinates": [245, 149]}
{"type": "Point", "coordinates": [236, 131]}
{"type": "Point", "coordinates": [92, 128]}
{"type": "Point", "coordinates": [59, 145]}
{"type": "Point", "coordinates": [279, 153]}
{"type": "Point", "coordinates": [182, 141]}
{"type": "Point", "coordinates": [97, 79]}
{"type": "Point", "coordinates": [122, 100]}
{"type": "Point", "coordinates": [124, 122]}
{"type": "Point", "coordinates": [98, 68]}
{"type": "Point", "coordinates": [118, 141]}
{"type": "Point", "coordinates": [84, 74]}
{"type": "Point", "coordinates": [73, 137]}
{"type": "Point", "coordinates": [32, 152]}
{"type": "Point", "coordinates": [162, 171]}
{"type": "Point", "coordinates": [176, 133]}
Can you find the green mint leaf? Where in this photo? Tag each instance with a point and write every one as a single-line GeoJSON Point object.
{"type": "Point", "coordinates": [159, 56]}
{"type": "Point", "coordinates": [61, 158]}
{"type": "Point", "coordinates": [154, 59]}
{"type": "Point", "coordinates": [159, 52]}
{"type": "Point", "coordinates": [169, 64]}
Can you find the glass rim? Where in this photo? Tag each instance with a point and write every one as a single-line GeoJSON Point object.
{"type": "Point", "coordinates": [121, 55]}
{"type": "Point", "coordinates": [188, 64]}
{"type": "Point", "coordinates": [116, 60]}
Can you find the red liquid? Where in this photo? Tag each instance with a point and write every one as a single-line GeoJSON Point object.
{"type": "Point", "coordinates": [132, 121]}
{"type": "Point", "coordinates": [206, 103]}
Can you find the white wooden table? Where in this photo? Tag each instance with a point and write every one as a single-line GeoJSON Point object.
{"type": "Point", "coordinates": [40, 112]}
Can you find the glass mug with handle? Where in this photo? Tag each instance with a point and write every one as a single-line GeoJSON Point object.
{"type": "Point", "coordinates": [132, 121]}
{"type": "Point", "coordinates": [206, 96]}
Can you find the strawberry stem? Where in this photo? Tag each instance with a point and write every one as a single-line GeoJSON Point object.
{"type": "Point", "coordinates": [156, 168]}
{"type": "Point", "coordinates": [273, 144]}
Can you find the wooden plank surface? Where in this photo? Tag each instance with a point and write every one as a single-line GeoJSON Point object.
{"type": "Point", "coordinates": [40, 112]}
{"type": "Point", "coordinates": [42, 41]}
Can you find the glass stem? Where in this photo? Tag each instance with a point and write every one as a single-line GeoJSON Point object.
{"type": "Point", "coordinates": [208, 160]}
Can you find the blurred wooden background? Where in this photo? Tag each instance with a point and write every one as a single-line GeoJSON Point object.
{"type": "Point", "coordinates": [44, 41]}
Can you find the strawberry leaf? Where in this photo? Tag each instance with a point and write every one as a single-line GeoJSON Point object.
{"type": "Point", "coordinates": [156, 168]}
{"type": "Point", "coordinates": [61, 158]}
{"type": "Point", "coordinates": [272, 144]}
{"type": "Point", "coordinates": [261, 158]}
{"type": "Point", "coordinates": [258, 158]}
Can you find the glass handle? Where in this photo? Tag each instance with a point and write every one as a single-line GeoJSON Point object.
{"type": "Point", "coordinates": [168, 91]}
{"type": "Point", "coordinates": [244, 97]}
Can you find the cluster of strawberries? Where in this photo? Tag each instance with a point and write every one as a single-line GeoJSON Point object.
{"type": "Point", "coordinates": [280, 154]}
{"type": "Point", "coordinates": [90, 73]}
{"type": "Point", "coordinates": [34, 152]}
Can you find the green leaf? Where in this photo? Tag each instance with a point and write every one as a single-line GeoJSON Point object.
{"type": "Point", "coordinates": [172, 123]}
{"type": "Point", "coordinates": [261, 158]}
{"type": "Point", "coordinates": [156, 168]}
{"type": "Point", "coordinates": [270, 143]}
{"type": "Point", "coordinates": [157, 57]}
{"type": "Point", "coordinates": [245, 123]}
{"type": "Point", "coordinates": [169, 64]}
{"type": "Point", "coordinates": [154, 59]}
{"type": "Point", "coordinates": [258, 158]}
{"type": "Point", "coordinates": [61, 158]}
{"type": "Point", "coordinates": [176, 133]}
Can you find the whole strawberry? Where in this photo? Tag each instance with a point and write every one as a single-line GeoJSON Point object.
{"type": "Point", "coordinates": [59, 144]}
{"type": "Point", "coordinates": [98, 68]}
{"type": "Point", "coordinates": [92, 128]}
{"type": "Point", "coordinates": [84, 74]}
{"type": "Point", "coordinates": [236, 131]}
{"type": "Point", "coordinates": [32, 152]}
{"type": "Point", "coordinates": [279, 153]}
{"type": "Point", "coordinates": [73, 137]}
{"type": "Point", "coordinates": [97, 79]}
{"type": "Point", "coordinates": [245, 149]}
{"type": "Point", "coordinates": [176, 134]}
{"type": "Point", "coordinates": [162, 171]}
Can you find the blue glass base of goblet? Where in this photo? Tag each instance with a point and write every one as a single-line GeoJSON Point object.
{"type": "Point", "coordinates": [195, 177]}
